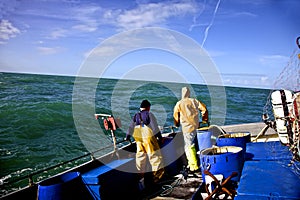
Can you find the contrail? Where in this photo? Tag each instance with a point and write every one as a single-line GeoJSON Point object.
{"type": "Point", "coordinates": [211, 23]}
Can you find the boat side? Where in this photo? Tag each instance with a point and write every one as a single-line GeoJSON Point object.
{"type": "Point", "coordinates": [182, 190]}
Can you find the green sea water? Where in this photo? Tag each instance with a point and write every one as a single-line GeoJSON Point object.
{"type": "Point", "coordinates": [38, 128]}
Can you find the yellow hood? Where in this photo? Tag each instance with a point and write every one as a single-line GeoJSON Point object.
{"type": "Point", "coordinates": [185, 92]}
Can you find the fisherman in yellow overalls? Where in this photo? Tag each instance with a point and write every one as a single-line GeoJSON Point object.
{"type": "Point", "coordinates": [186, 113]}
{"type": "Point", "coordinates": [142, 128]}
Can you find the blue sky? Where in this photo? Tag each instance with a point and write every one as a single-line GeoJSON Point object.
{"type": "Point", "coordinates": [249, 41]}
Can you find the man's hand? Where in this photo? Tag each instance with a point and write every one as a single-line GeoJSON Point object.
{"type": "Point", "coordinates": [127, 138]}
{"type": "Point", "coordinates": [203, 124]}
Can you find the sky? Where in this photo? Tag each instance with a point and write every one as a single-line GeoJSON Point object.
{"type": "Point", "coordinates": [246, 43]}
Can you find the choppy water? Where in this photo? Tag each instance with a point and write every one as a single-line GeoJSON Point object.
{"type": "Point", "coordinates": [45, 121]}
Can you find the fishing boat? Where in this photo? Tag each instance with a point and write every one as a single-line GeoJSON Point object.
{"type": "Point", "coordinates": [267, 163]}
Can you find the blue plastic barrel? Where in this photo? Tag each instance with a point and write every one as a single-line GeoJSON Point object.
{"type": "Point", "coordinates": [222, 160]}
{"type": "Point", "coordinates": [204, 140]}
{"type": "Point", "coordinates": [65, 186]}
{"type": "Point", "coordinates": [239, 139]}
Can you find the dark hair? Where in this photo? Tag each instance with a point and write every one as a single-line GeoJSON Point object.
{"type": "Point", "coordinates": [145, 104]}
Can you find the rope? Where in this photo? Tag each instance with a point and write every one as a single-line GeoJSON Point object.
{"type": "Point", "coordinates": [261, 133]}
{"type": "Point", "coordinates": [289, 79]}
{"type": "Point", "coordinates": [289, 76]}
{"type": "Point", "coordinates": [297, 169]}
{"type": "Point", "coordinates": [168, 189]}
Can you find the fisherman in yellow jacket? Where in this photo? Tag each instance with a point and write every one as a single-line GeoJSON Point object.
{"type": "Point", "coordinates": [186, 113]}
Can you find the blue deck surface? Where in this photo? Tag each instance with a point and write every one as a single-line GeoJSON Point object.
{"type": "Point", "coordinates": [267, 151]}
{"type": "Point", "coordinates": [101, 182]}
{"type": "Point", "coordinates": [268, 175]}
{"type": "Point", "coordinates": [269, 179]}
{"type": "Point", "coordinates": [93, 176]}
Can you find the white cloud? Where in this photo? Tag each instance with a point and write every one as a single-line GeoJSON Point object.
{"type": "Point", "coordinates": [49, 50]}
{"type": "Point", "coordinates": [58, 33]}
{"type": "Point", "coordinates": [271, 59]}
{"type": "Point", "coordinates": [85, 28]}
{"type": "Point", "coordinates": [153, 14]}
{"type": "Point", "coordinates": [236, 14]}
{"type": "Point", "coordinates": [87, 17]}
{"type": "Point", "coordinates": [264, 79]}
{"type": "Point", "coordinates": [7, 31]}
{"type": "Point", "coordinates": [246, 80]}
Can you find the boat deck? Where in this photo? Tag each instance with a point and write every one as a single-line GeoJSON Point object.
{"type": "Point", "coordinates": [184, 190]}
{"type": "Point", "coordinates": [187, 188]}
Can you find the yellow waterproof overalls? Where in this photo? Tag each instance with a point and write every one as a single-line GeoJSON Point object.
{"type": "Point", "coordinates": [147, 146]}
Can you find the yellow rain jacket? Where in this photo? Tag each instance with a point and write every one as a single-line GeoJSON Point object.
{"type": "Point", "coordinates": [189, 112]}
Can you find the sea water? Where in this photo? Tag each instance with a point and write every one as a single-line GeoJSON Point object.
{"type": "Point", "coordinates": [38, 130]}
